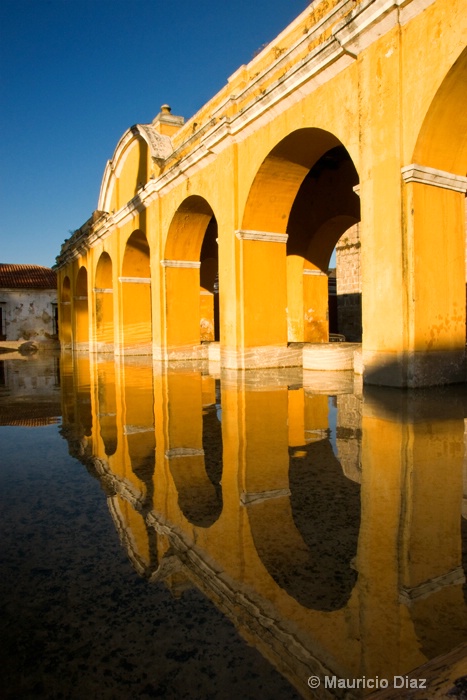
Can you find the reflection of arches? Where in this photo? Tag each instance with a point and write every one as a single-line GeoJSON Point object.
{"type": "Point", "coordinates": [107, 407]}
{"type": "Point", "coordinates": [104, 303]}
{"type": "Point", "coordinates": [435, 197]}
{"type": "Point", "coordinates": [194, 451]}
{"type": "Point", "coordinates": [307, 541]}
{"type": "Point", "coordinates": [199, 497]}
{"type": "Point", "coordinates": [138, 540]}
{"type": "Point", "coordinates": [190, 269]}
{"type": "Point", "coordinates": [65, 313]}
{"type": "Point", "coordinates": [197, 474]}
{"type": "Point", "coordinates": [81, 309]}
{"type": "Point", "coordinates": [136, 295]}
{"type": "Point", "coordinates": [305, 183]}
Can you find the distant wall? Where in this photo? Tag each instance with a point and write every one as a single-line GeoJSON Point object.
{"type": "Point", "coordinates": [349, 285]}
{"type": "Point", "coordinates": [28, 314]}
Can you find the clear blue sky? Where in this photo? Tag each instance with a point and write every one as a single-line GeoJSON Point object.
{"type": "Point", "coordinates": [75, 74]}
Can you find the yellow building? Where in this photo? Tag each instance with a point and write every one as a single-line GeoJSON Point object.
{"type": "Point", "coordinates": [222, 227]}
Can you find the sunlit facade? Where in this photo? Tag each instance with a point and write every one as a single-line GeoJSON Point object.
{"type": "Point", "coordinates": [213, 237]}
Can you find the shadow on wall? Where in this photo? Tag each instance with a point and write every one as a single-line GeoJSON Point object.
{"type": "Point", "coordinates": [415, 369]}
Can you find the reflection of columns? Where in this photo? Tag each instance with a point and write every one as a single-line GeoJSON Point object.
{"type": "Point", "coordinates": [182, 307]}
{"type": "Point", "coordinates": [137, 422]}
{"type": "Point", "coordinates": [266, 443]}
{"type": "Point", "coordinates": [198, 497]}
{"type": "Point", "coordinates": [431, 541]}
{"type": "Point", "coordinates": [348, 435]}
{"type": "Point", "coordinates": [106, 406]}
{"type": "Point", "coordinates": [431, 573]}
{"type": "Point", "coordinates": [261, 338]}
{"type": "Point", "coordinates": [409, 552]}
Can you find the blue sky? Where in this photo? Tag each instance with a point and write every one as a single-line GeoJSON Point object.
{"type": "Point", "coordinates": [75, 74]}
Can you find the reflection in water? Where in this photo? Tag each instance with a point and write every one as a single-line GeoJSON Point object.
{"type": "Point", "coordinates": [328, 528]}
{"type": "Point", "coordinates": [30, 391]}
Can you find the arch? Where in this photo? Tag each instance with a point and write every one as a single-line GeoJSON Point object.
{"type": "Point", "coordinates": [434, 201]}
{"type": "Point", "coordinates": [190, 276]}
{"type": "Point", "coordinates": [104, 304]}
{"type": "Point", "coordinates": [280, 176]}
{"type": "Point", "coordinates": [326, 205]}
{"type": "Point", "coordinates": [442, 141]}
{"type": "Point", "coordinates": [136, 295]}
{"type": "Point", "coordinates": [131, 165]}
{"type": "Point", "coordinates": [82, 309]}
{"type": "Point", "coordinates": [65, 313]}
{"type": "Point", "coordinates": [302, 196]}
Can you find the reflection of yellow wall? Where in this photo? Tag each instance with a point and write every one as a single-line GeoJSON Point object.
{"type": "Point", "coordinates": [232, 537]}
{"type": "Point", "coordinates": [241, 163]}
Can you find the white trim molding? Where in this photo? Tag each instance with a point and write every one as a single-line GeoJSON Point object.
{"type": "Point", "coordinates": [103, 290]}
{"type": "Point", "coordinates": [317, 273]}
{"type": "Point", "coordinates": [135, 280]}
{"type": "Point", "coordinates": [267, 236]}
{"type": "Point", "coordinates": [437, 178]}
{"type": "Point", "coordinates": [181, 263]}
{"type": "Point", "coordinates": [176, 452]}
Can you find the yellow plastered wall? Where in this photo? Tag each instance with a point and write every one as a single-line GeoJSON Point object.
{"type": "Point", "coordinates": [392, 99]}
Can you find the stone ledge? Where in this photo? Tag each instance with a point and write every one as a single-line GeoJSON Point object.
{"type": "Point", "coordinates": [329, 356]}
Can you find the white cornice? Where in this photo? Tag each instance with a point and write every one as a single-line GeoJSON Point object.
{"type": "Point", "coordinates": [181, 263]}
{"type": "Point", "coordinates": [261, 236]}
{"type": "Point", "coordinates": [436, 178]}
{"type": "Point", "coordinates": [135, 280]}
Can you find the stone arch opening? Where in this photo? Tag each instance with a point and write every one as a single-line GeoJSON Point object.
{"type": "Point", "coordinates": [434, 190]}
{"type": "Point", "coordinates": [104, 304]}
{"type": "Point", "coordinates": [82, 310]}
{"type": "Point", "coordinates": [300, 203]}
{"type": "Point", "coordinates": [325, 207]}
{"type": "Point", "coordinates": [136, 296]}
{"type": "Point", "coordinates": [191, 277]}
{"type": "Point", "coordinates": [65, 313]}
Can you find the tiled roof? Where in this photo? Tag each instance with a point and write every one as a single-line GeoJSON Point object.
{"type": "Point", "coordinates": [27, 277]}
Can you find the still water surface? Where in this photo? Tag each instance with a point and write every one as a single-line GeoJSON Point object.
{"type": "Point", "coordinates": [179, 533]}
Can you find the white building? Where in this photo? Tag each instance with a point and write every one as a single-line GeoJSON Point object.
{"type": "Point", "coordinates": [28, 302]}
